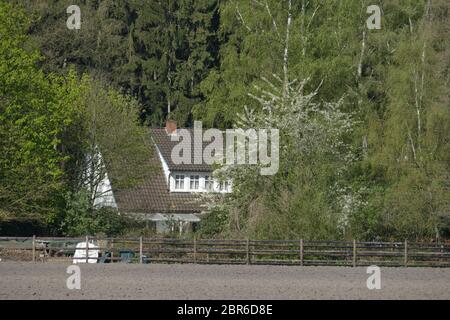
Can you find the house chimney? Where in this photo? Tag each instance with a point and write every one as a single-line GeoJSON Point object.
{"type": "Point", "coordinates": [171, 126]}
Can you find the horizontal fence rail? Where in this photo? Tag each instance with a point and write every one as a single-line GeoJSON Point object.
{"type": "Point", "coordinates": [225, 251]}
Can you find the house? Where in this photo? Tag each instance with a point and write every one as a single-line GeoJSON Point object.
{"type": "Point", "coordinates": [169, 200]}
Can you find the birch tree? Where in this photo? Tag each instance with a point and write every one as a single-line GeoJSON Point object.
{"type": "Point", "coordinates": [407, 152]}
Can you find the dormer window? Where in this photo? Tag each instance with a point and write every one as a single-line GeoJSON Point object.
{"type": "Point", "coordinates": [194, 182]}
{"type": "Point", "coordinates": [179, 182]}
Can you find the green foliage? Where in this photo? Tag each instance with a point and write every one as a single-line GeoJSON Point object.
{"type": "Point", "coordinates": [51, 126]}
{"type": "Point", "coordinates": [81, 219]}
{"type": "Point", "coordinates": [408, 155]}
{"type": "Point", "coordinates": [32, 120]}
{"type": "Point", "coordinates": [393, 81]}
{"type": "Point", "coordinates": [203, 59]}
{"type": "Point", "coordinates": [302, 198]}
{"type": "Point", "coordinates": [214, 224]}
{"type": "Point", "coordinates": [107, 139]}
{"type": "Point", "coordinates": [324, 43]}
{"type": "Point", "coordinates": [158, 51]}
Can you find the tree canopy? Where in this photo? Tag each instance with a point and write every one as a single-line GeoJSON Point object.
{"type": "Point", "coordinates": [212, 61]}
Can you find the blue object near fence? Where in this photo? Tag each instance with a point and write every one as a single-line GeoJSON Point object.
{"type": "Point", "coordinates": [126, 255]}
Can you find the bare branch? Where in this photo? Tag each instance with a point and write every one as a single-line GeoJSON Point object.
{"type": "Point", "coordinates": [312, 17]}
{"type": "Point", "coordinates": [286, 51]}
{"type": "Point", "coordinates": [273, 20]}
{"type": "Point", "coordinates": [361, 58]}
{"type": "Point", "coordinates": [413, 148]}
{"type": "Point", "coordinates": [258, 3]}
{"type": "Point", "coordinates": [239, 15]}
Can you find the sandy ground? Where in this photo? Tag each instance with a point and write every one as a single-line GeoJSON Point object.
{"type": "Point", "coordinates": [158, 281]}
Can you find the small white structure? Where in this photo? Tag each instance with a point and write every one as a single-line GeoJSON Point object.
{"type": "Point", "coordinates": [80, 253]}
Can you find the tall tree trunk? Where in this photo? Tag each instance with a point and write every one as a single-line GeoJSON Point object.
{"type": "Point", "coordinates": [286, 52]}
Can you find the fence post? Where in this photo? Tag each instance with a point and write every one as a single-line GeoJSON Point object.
{"type": "Point", "coordinates": [248, 251]}
{"type": "Point", "coordinates": [140, 250]}
{"type": "Point", "coordinates": [112, 250]}
{"type": "Point", "coordinates": [354, 253]}
{"type": "Point", "coordinates": [195, 249]}
{"type": "Point", "coordinates": [87, 249]}
{"type": "Point", "coordinates": [34, 249]}
{"type": "Point", "coordinates": [301, 252]}
{"type": "Point", "coordinates": [406, 253]}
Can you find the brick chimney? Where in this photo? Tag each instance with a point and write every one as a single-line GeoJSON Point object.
{"type": "Point", "coordinates": [171, 126]}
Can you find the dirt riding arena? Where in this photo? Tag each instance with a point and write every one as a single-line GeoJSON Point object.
{"type": "Point", "coordinates": [187, 281]}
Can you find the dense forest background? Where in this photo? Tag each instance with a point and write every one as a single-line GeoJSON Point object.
{"type": "Point", "coordinates": [207, 60]}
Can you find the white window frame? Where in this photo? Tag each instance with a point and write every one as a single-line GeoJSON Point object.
{"type": "Point", "coordinates": [204, 178]}
{"type": "Point", "coordinates": [223, 186]}
{"type": "Point", "coordinates": [180, 181]}
{"type": "Point", "coordinates": [208, 180]}
{"type": "Point", "coordinates": [194, 182]}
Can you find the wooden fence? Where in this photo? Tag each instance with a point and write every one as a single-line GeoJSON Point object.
{"type": "Point", "coordinates": [215, 251]}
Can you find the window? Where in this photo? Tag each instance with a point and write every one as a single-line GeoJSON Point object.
{"type": "Point", "coordinates": [179, 182]}
{"type": "Point", "coordinates": [223, 186]}
{"type": "Point", "coordinates": [209, 183]}
{"type": "Point", "coordinates": [194, 182]}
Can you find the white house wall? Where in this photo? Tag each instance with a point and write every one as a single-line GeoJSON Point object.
{"type": "Point", "coordinates": [104, 191]}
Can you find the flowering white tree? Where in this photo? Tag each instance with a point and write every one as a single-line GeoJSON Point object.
{"type": "Point", "coordinates": [303, 121]}
{"type": "Point", "coordinates": [305, 196]}
{"type": "Point", "coordinates": [312, 138]}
